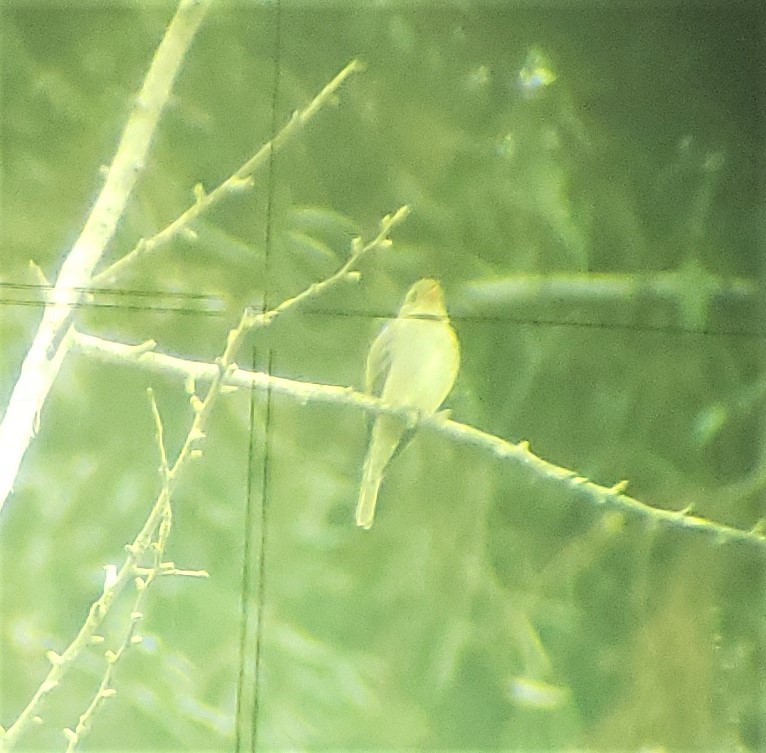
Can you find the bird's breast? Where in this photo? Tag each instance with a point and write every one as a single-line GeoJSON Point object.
{"type": "Point", "coordinates": [424, 364]}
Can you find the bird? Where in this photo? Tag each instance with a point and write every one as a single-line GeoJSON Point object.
{"type": "Point", "coordinates": [412, 363]}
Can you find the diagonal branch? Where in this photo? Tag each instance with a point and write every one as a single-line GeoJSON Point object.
{"type": "Point", "coordinates": [51, 343]}
{"type": "Point", "coordinates": [241, 180]}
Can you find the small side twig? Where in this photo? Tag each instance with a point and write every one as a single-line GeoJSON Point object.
{"type": "Point", "coordinates": [358, 250]}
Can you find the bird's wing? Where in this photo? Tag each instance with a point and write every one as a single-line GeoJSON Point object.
{"type": "Point", "coordinates": [379, 362]}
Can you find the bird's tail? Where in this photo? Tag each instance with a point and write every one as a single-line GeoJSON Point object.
{"type": "Point", "coordinates": [385, 437]}
{"type": "Point", "coordinates": [368, 496]}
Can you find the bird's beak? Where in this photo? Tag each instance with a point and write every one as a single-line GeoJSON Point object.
{"type": "Point", "coordinates": [433, 296]}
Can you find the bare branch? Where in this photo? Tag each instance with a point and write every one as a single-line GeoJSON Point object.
{"type": "Point", "coordinates": [50, 345]}
{"type": "Point", "coordinates": [609, 498]}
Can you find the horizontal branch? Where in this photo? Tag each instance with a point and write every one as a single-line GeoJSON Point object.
{"type": "Point", "coordinates": [696, 294]}
{"type": "Point", "coordinates": [612, 498]}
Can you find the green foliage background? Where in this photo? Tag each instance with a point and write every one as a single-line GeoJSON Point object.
{"type": "Point", "coordinates": [479, 583]}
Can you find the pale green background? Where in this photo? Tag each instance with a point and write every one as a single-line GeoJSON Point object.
{"type": "Point", "coordinates": [643, 157]}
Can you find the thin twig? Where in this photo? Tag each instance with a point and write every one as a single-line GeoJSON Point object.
{"type": "Point", "coordinates": [237, 183]}
{"type": "Point", "coordinates": [143, 580]}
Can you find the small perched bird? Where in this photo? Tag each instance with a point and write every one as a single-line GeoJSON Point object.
{"type": "Point", "coordinates": [412, 363]}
